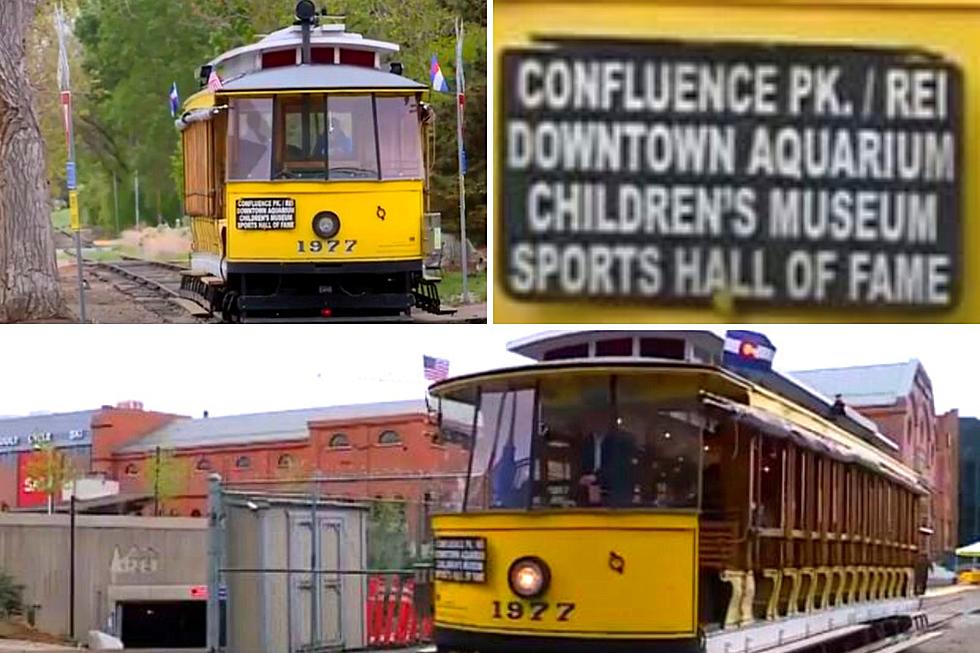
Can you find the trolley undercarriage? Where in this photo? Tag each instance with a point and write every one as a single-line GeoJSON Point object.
{"type": "Point", "coordinates": [263, 291]}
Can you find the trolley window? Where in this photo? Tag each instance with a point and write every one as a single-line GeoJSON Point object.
{"type": "Point", "coordinates": [400, 137]}
{"type": "Point", "coordinates": [347, 137]}
{"type": "Point", "coordinates": [585, 441]}
{"type": "Point", "coordinates": [301, 128]}
{"type": "Point", "coordinates": [250, 139]}
{"type": "Point", "coordinates": [352, 138]}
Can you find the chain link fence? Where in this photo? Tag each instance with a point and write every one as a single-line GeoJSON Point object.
{"type": "Point", "coordinates": [324, 564]}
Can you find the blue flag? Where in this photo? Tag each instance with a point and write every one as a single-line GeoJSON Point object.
{"type": "Point", "coordinates": [438, 79]}
{"type": "Point", "coordinates": [748, 349]}
{"type": "Point", "coordinates": [174, 101]}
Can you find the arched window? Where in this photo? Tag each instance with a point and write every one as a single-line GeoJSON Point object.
{"type": "Point", "coordinates": [204, 465]}
{"type": "Point", "coordinates": [195, 513]}
{"type": "Point", "coordinates": [389, 437]}
{"type": "Point", "coordinates": [285, 461]}
{"type": "Point", "coordinates": [339, 441]}
{"type": "Point", "coordinates": [132, 470]}
{"type": "Point", "coordinates": [243, 462]}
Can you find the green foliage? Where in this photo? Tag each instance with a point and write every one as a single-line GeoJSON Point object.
{"type": "Point", "coordinates": [131, 52]}
{"type": "Point", "coordinates": [166, 477]}
{"type": "Point", "coordinates": [11, 595]}
{"type": "Point", "coordinates": [387, 536]}
{"type": "Point", "coordinates": [452, 285]}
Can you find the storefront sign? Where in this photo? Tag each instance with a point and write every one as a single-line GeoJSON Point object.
{"type": "Point", "coordinates": [777, 175]}
{"type": "Point", "coordinates": [32, 440]}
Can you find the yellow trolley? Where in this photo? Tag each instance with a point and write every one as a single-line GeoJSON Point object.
{"type": "Point", "coordinates": [306, 180]}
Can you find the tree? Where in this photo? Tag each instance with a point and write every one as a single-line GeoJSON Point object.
{"type": "Point", "coordinates": [387, 535]}
{"type": "Point", "coordinates": [28, 270]}
{"type": "Point", "coordinates": [48, 470]}
{"type": "Point", "coordinates": [166, 478]}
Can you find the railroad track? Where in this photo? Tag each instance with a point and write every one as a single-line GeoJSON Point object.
{"type": "Point", "coordinates": [156, 286]}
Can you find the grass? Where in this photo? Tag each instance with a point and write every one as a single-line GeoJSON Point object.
{"type": "Point", "coordinates": [452, 286]}
{"type": "Point", "coordinates": [61, 219]}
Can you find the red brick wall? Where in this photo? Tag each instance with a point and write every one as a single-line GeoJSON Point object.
{"type": "Point", "coordinates": [921, 435]}
{"type": "Point", "coordinates": [948, 480]}
{"type": "Point", "coordinates": [113, 428]}
{"type": "Point", "coordinates": [414, 454]}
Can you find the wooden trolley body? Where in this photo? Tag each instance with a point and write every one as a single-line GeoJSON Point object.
{"type": "Point", "coordinates": [800, 518]}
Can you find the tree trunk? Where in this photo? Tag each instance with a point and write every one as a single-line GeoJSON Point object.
{"type": "Point", "coordinates": [28, 270]}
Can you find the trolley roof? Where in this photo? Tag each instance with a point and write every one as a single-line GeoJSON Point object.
{"type": "Point", "coordinates": [319, 77]}
{"type": "Point", "coordinates": [743, 398]}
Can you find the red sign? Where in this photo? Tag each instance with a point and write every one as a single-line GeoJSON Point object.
{"type": "Point", "coordinates": [28, 492]}
{"type": "Point", "coordinates": [199, 592]}
{"type": "Point", "coordinates": [66, 116]}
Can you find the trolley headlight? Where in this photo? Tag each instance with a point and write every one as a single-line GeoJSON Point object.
{"type": "Point", "coordinates": [529, 577]}
{"type": "Point", "coordinates": [326, 224]}
{"type": "Point", "coordinates": [305, 10]}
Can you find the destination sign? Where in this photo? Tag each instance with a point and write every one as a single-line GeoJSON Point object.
{"type": "Point", "coordinates": [683, 173]}
{"type": "Point", "coordinates": [266, 214]}
{"type": "Point", "coordinates": [461, 559]}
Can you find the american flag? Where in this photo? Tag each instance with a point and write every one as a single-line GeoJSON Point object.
{"type": "Point", "coordinates": [214, 82]}
{"type": "Point", "coordinates": [436, 369]}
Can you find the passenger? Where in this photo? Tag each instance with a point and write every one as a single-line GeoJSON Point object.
{"type": "Point", "coordinates": [254, 146]}
{"type": "Point", "coordinates": [607, 462]}
{"type": "Point", "coordinates": [340, 143]}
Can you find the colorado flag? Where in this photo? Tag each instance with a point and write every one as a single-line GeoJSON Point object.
{"type": "Point", "coordinates": [748, 349]}
{"type": "Point", "coordinates": [438, 80]}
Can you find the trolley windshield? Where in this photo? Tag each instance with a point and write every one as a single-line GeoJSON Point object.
{"type": "Point", "coordinates": [579, 441]}
{"type": "Point", "coordinates": [368, 136]}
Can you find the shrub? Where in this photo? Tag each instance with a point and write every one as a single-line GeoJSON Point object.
{"type": "Point", "coordinates": [11, 595]}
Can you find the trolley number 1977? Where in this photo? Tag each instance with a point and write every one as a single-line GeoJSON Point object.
{"type": "Point", "coordinates": [533, 611]}
{"type": "Point", "coordinates": [330, 246]}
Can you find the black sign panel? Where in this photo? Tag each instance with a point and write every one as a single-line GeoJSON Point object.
{"type": "Point", "coordinates": [668, 172]}
{"type": "Point", "coordinates": [265, 213]}
{"type": "Point", "coordinates": [461, 559]}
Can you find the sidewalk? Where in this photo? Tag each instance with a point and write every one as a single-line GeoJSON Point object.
{"type": "Point", "coordinates": [947, 590]}
{"type": "Point", "coordinates": [22, 646]}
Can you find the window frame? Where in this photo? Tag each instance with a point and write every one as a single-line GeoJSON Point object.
{"type": "Point", "coordinates": [277, 157]}
{"type": "Point", "coordinates": [247, 460]}
{"type": "Point", "coordinates": [537, 476]}
{"type": "Point", "coordinates": [398, 438]}
{"type": "Point", "coordinates": [339, 435]}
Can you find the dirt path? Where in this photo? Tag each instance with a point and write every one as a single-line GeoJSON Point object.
{"type": "Point", "coordinates": [104, 304]}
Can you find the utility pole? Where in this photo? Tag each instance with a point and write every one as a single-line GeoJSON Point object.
{"type": "Point", "coordinates": [71, 566]}
{"type": "Point", "coordinates": [71, 171]}
{"type": "Point", "coordinates": [115, 199]}
{"type": "Point", "coordinates": [136, 184]}
{"type": "Point", "coordinates": [156, 485]}
{"type": "Point", "coordinates": [460, 102]}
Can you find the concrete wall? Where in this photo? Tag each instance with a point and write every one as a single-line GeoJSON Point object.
{"type": "Point", "coordinates": [117, 558]}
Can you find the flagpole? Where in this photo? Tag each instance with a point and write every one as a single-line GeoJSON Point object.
{"type": "Point", "coordinates": [460, 99]}
{"type": "Point", "coordinates": [71, 171]}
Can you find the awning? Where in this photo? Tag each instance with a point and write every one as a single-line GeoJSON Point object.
{"type": "Point", "coordinates": [969, 551]}
{"type": "Point", "coordinates": [778, 427]}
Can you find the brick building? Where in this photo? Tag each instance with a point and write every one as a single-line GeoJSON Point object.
{"type": "Point", "coordinates": [898, 398]}
{"type": "Point", "coordinates": [379, 450]}
{"type": "Point", "coordinates": [387, 450]}
{"type": "Point", "coordinates": [86, 437]}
